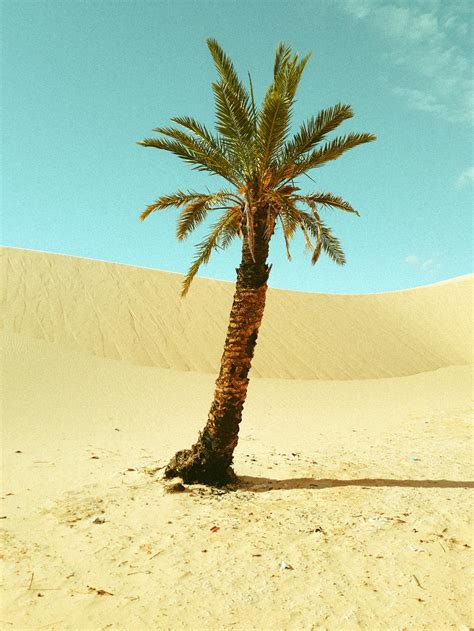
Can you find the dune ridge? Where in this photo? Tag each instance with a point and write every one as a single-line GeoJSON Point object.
{"type": "Point", "coordinates": [136, 314]}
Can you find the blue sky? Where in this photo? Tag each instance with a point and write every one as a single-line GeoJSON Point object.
{"type": "Point", "coordinates": [83, 81]}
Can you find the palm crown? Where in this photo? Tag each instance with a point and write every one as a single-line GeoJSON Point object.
{"type": "Point", "coordinates": [252, 150]}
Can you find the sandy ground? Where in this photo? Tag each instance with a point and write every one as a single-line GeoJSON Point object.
{"type": "Point", "coordinates": [354, 509]}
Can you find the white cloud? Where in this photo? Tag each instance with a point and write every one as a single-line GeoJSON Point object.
{"type": "Point", "coordinates": [419, 100]}
{"type": "Point", "coordinates": [430, 40]}
{"type": "Point", "coordinates": [455, 25]}
{"type": "Point", "coordinates": [425, 265]}
{"type": "Point", "coordinates": [466, 178]}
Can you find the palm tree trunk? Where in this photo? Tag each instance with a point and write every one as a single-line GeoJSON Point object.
{"type": "Point", "coordinates": [210, 458]}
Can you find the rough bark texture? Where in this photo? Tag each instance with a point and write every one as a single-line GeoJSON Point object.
{"type": "Point", "coordinates": [209, 459]}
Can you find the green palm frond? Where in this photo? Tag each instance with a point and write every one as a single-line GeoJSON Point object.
{"type": "Point", "coordinates": [174, 200]}
{"type": "Point", "coordinates": [307, 237]}
{"type": "Point", "coordinates": [196, 211]}
{"type": "Point", "coordinates": [282, 57]}
{"type": "Point", "coordinates": [191, 216]}
{"type": "Point", "coordinates": [231, 229]}
{"type": "Point", "coordinates": [193, 144]}
{"type": "Point", "coordinates": [317, 231]}
{"type": "Point", "coordinates": [332, 246]}
{"type": "Point", "coordinates": [329, 242]}
{"type": "Point", "coordinates": [327, 199]}
{"type": "Point", "coordinates": [273, 119]}
{"type": "Point", "coordinates": [331, 151]}
{"type": "Point", "coordinates": [231, 123]}
{"type": "Point", "coordinates": [228, 76]}
{"type": "Point", "coordinates": [319, 243]}
{"type": "Point", "coordinates": [204, 156]}
{"type": "Point", "coordinates": [295, 70]}
{"type": "Point", "coordinates": [214, 143]}
{"type": "Point", "coordinates": [253, 107]}
{"type": "Point", "coordinates": [313, 226]}
{"type": "Point", "coordinates": [314, 131]}
{"type": "Point", "coordinates": [173, 147]}
{"type": "Point", "coordinates": [198, 159]}
{"type": "Point", "coordinates": [272, 126]}
{"type": "Point", "coordinates": [233, 104]}
{"type": "Point", "coordinates": [275, 116]}
{"type": "Point", "coordinates": [210, 243]}
{"type": "Point", "coordinates": [289, 224]}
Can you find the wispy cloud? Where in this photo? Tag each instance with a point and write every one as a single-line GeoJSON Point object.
{"type": "Point", "coordinates": [425, 265]}
{"type": "Point", "coordinates": [430, 40]}
{"type": "Point", "coordinates": [466, 178]}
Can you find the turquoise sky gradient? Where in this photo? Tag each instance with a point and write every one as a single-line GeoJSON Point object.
{"type": "Point", "coordinates": [83, 81]}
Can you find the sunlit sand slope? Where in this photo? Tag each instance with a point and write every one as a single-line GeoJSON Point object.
{"type": "Point", "coordinates": [362, 487]}
{"type": "Point", "coordinates": [136, 314]}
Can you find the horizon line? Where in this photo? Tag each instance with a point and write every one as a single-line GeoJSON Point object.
{"type": "Point", "coordinates": [231, 282]}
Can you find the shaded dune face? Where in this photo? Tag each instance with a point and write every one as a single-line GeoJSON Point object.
{"type": "Point", "coordinates": [136, 315]}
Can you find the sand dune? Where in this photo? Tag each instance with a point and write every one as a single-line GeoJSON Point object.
{"type": "Point", "coordinates": [136, 314]}
{"type": "Point", "coordinates": [355, 457]}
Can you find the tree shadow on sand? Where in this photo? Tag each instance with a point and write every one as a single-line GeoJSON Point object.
{"type": "Point", "coordinates": [267, 484]}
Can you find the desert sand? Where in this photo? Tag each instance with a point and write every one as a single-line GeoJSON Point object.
{"type": "Point", "coordinates": [354, 507]}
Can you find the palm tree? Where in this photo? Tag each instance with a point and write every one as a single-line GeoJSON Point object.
{"type": "Point", "coordinates": [252, 150]}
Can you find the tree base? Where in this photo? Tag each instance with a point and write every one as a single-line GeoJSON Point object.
{"type": "Point", "coordinates": [196, 466]}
